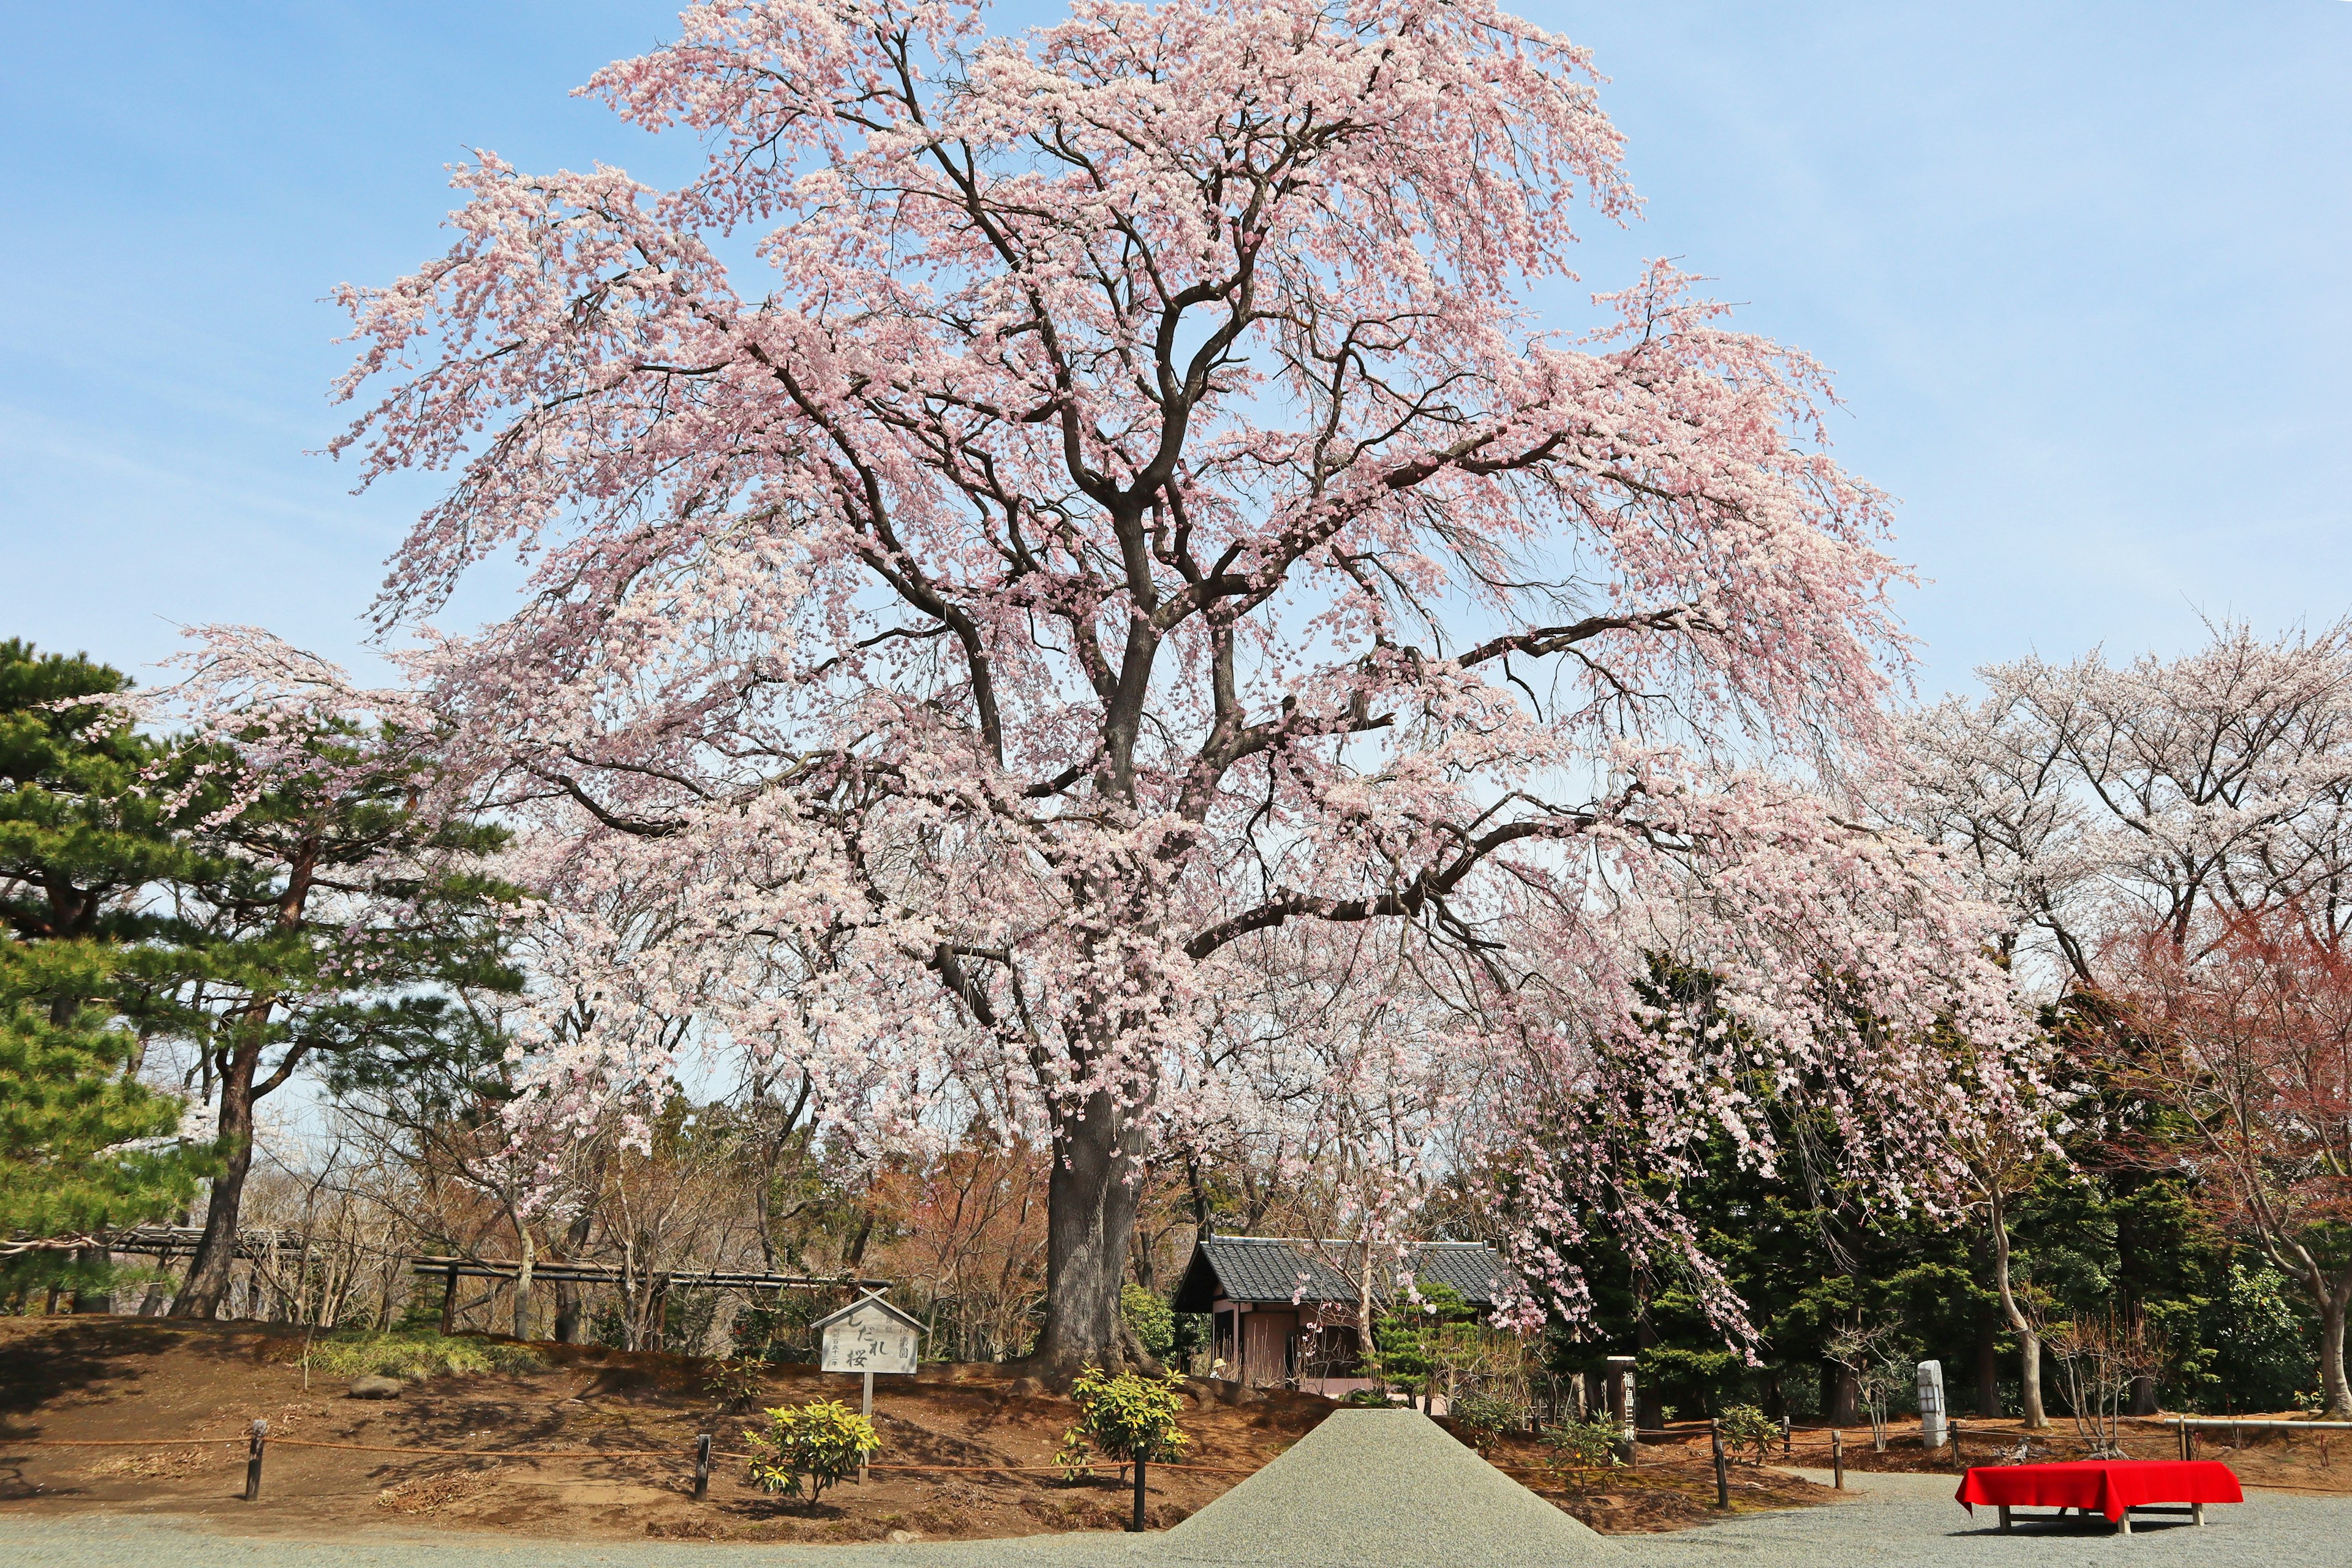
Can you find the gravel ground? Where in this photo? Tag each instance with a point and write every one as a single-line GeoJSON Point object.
{"type": "Point", "coordinates": [1370, 1487]}
{"type": "Point", "coordinates": [1898, 1522]}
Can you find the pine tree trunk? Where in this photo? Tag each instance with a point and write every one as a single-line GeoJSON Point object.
{"type": "Point", "coordinates": [1089, 1219]}
{"type": "Point", "coordinates": [97, 1301]}
{"type": "Point", "coordinates": [206, 1285]}
{"type": "Point", "coordinates": [1845, 1406]}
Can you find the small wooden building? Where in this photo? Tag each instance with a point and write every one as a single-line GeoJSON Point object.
{"type": "Point", "coordinates": [1284, 1309]}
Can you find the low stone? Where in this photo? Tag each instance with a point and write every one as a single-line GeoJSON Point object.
{"type": "Point", "coordinates": [376, 1387]}
{"type": "Point", "coordinates": [901, 1537]}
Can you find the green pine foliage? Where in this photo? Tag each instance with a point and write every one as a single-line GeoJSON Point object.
{"type": "Point", "coordinates": [1409, 1337]}
{"type": "Point", "coordinates": [85, 1145]}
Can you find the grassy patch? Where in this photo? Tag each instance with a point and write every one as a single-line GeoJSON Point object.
{"type": "Point", "coordinates": [416, 1355]}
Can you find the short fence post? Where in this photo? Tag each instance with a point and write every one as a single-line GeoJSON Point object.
{"type": "Point", "coordinates": [1837, 1459]}
{"type": "Point", "coordinates": [1722, 1480]}
{"type": "Point", "coordinates": [1785, 1430]}
{"type": "Point", "coordinates": [2183, 1434]}
{"type": "Point", "coordinates": [254, 1442]}
{"type": "Point", "coordinates": [702, 1467]}
{"type": "Point", "coordinates": [1136, 1528]}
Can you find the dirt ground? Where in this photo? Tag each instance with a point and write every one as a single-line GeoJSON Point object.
{"type": "Point", "coordinates": [140, 1381]}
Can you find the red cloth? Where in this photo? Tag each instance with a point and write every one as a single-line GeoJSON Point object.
{"type": "Point", "coordinates": [2109, 1485]}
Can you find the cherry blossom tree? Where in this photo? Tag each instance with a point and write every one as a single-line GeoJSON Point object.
{"type": "Point", "coordinates": [2242, 1044]}
{"type": "Point", "coordinates": [1044, 539]}
{"type": "Point", "coordinates": [324, 878]}
{"type": "Point", "coordinates": [2167, 839]}
{"type": "Point", "coordinates": [2092, 801]}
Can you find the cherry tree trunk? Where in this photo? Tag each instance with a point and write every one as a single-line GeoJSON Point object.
{"type": "Point", "coordinates": [1091, 1199]}
{"type": "Point", "coordinates": [2029, 1376]}
{"type": "Point", "coordinates": [207, 1287]}
{"type": "Point", "coordinates": [2332, 1384]}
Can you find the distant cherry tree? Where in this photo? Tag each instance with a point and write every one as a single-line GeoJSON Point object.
{"type": "Point", "coordinates": [2241, 1046]}
{"type": "Point", "coordinates": [2167, 840]}
{"type": "Point", "coordinates": [1067, 584]}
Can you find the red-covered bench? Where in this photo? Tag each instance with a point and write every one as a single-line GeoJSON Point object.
{"type": "Point", "coordinates": [2111, 1486]}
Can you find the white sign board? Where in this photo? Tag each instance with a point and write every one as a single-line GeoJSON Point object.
{"type": "Point", "coordinates": [869, 1337]}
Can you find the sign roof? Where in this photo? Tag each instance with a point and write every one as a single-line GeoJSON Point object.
{"type": "Point", "coordinates": [860, 1305]}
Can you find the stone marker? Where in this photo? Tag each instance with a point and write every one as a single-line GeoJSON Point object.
{"type": "Point", "coordinates": [1931, 1406]}
{"type": "Point", "coordinates": [373, 1387]}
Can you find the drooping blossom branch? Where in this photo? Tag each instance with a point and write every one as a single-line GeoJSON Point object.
{"type": "Point", "coordinates": [1043, 537]}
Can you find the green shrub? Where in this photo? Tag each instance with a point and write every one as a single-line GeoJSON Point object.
{"type": "Point", "coordinates": [1148, 1320]}
{"type": "Point", "coordinates": [1587, 1445]}
{"type": "Point", "coordinates": [1076, 1456]}
{"type": "Point", "coordinates": [1485, 1416]}
{"type": "Point", "coordinates": [418, 1355]}
{"type": "Point", "coordinates": [1747, 1430]}
{"type": "Point", "coordinates": [804, 1450]}
{"type": "Point", "coordinates": [1129, 1418]}
{"type": "Point", "coordinates": [735, 1385]}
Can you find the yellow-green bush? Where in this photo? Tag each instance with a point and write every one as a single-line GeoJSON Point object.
{"type": "Point", "coordinates": [804, 1449]}
{"type": "Point", "coordinates": [418, 1355]}
{"type": "Point", "coordinates": [1126, 1417]}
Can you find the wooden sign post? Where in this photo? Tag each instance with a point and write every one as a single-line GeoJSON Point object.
{"type": "Point", "coordinates": [868, 1336]}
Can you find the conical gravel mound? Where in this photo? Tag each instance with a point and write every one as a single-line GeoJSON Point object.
{"type": "Point", "coordinates": [1383, 1488]}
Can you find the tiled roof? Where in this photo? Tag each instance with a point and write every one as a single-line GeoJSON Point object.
{"type": "Point", "coordinates": [1272, 1270]}
{"type": "Point", "coordinates": [1473, 1267]}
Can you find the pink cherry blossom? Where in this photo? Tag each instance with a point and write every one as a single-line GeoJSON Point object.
{"type": "Point", "coordinates": [1067, 584]}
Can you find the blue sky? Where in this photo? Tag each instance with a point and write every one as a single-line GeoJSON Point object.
{"type": "Point", "coordinates": [2081, 270]}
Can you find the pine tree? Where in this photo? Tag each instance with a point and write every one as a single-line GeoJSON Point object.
{"type": "Point", "coordinates": [329, 890]}
{"type": "Point", "coordinates": [85, 1146]}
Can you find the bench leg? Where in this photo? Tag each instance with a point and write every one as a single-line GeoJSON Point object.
{"type": "Point", "coordinates": [2004, 1519]}
{"type": "Point", "coordinates": [2196, 1513]}
{"type": "Point", "coordinates": [2122, 1525]}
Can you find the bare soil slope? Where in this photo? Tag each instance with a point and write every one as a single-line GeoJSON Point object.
{"type": "Point", "coordinates": [990, 1437]}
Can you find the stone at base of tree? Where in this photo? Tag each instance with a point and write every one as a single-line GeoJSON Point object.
{"type": "Point", "coordinates": [1026, 1388]}
{"type": "Point", "coordinates": [901, 1537]}
{"type": "Point", "coordinates": [376, 1387]}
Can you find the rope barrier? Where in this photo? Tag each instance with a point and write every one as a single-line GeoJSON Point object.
{"type": "Point", "coordinates": [113, 1441]}
{"type": "Point", "coordinates": [682, 1455]}
{"type": "Point", "coordinates": [481, 1453]}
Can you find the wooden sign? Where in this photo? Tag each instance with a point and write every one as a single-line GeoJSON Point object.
{"type": "Point", "coordinates": [870, 1336]}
